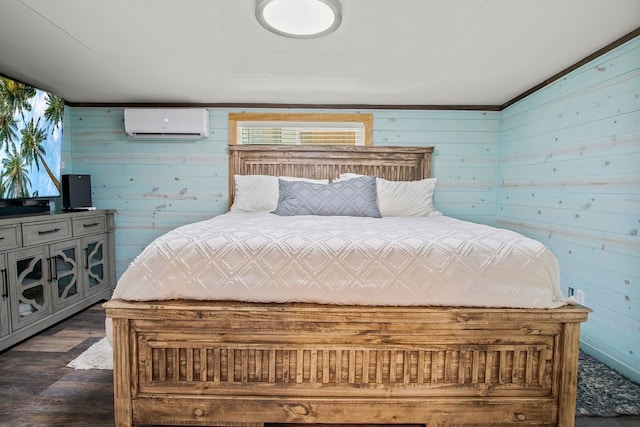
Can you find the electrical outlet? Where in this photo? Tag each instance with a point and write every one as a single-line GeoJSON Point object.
{"type": "Point", "coordinates": [580, 296]}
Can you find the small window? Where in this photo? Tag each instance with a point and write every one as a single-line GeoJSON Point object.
{"type": "Point", "coordinates": [300, 129]}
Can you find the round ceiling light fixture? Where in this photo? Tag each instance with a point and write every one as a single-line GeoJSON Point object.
{"type": "Point", "coordinates": [301, 19]}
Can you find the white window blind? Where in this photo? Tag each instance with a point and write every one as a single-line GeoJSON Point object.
{"type": "Point", "coordinates": [300, 133]}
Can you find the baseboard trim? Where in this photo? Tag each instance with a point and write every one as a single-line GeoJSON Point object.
{"type": "Point", "coordinates": [620, 367]}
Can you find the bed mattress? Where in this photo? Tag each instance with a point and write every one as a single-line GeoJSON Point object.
{"type": "Point", "coordinates": [262, 257]}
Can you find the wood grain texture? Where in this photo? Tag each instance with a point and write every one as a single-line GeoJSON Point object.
{"type": "Point", "coordinates": [587, 114]}
{"type": "Point", "coordinates": [328, 162]}
{"type": "Point", "coordinates": [206, 362]}
{"type": "Point", "coordinates": [569, 177]}
{"type": "Point", "coordinates": [38, 389]}
{"type": "Point", "coordinates": [158, 185]}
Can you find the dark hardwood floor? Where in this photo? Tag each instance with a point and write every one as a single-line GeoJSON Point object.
{"type": "Point", "coordinates": [38, 389]}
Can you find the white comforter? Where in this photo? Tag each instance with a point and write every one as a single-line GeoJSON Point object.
{"type": "Point", "coordinates": [262, 257]}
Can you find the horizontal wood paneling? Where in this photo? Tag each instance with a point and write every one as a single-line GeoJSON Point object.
{"type": "Point", "coordinates": [464, 159]}
{"type": "Point", "coordinates": [559, 165]}
{"type": "Point", "coordinates": [158, 185]}
{"type": "Point", "coordinates": [569, 176]}
{"type": "Point", "coordinates": [575, 81]}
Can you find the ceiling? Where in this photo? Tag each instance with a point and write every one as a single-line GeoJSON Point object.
{"type": "Point", "coordinates": [386, 52]}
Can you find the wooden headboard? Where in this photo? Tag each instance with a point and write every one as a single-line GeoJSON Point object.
{"type": "Point", "coordinates": [328, 162]}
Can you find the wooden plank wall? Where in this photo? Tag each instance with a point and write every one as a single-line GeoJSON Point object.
{"type": "Point", "coordinates": [157, 185]}
{"type": "Point", "coordinates": [569, 175]}
{"type": "Point", "coordinates": [567, 167]}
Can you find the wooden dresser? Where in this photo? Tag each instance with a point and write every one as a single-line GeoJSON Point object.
{"type": "Point", "coordinates": [51, 267]}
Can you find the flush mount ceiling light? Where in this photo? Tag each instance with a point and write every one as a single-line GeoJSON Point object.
{"type": "Point", "coordinates": [301, 19]}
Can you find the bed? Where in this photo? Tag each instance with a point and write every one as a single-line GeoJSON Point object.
{"type": "Point", "coordinates": [186, 359]}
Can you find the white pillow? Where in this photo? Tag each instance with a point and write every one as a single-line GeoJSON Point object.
{"type": "Point", "coordinates": [255, 193]}
{"type": "Point", "coordinates": [404, 198]}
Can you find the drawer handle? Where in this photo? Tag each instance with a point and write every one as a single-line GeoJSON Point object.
{"type": "Point", "coordinates": [5, 287]}
{"type": "Point", "coordinates": [52, 231]}
{"type": "Point", "coordinates": [93, 224]}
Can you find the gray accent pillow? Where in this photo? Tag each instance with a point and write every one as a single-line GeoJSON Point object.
{"type": "Point", "coordinates": [351, 197]}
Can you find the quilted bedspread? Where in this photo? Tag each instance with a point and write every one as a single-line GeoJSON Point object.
{"type": "Point", "coordinates": [262, 257]}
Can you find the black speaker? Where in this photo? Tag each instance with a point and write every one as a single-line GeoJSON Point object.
{"type": "Point", "coordinates": [76, 191]}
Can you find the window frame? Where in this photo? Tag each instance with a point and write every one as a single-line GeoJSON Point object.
{"type": "Point", "coordinates": [365, 119]}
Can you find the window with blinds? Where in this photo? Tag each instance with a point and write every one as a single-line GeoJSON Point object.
{"type": "Point", "coordinates": [300, 133]}
{"type": "Point", "coordinates": [300, 129]}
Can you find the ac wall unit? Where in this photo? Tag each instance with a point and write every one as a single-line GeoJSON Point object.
{"type": "Point", "coordinates": [166, 122]}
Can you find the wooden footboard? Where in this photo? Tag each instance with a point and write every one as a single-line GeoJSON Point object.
{"type": "Point", "coordinates": [202, 363]}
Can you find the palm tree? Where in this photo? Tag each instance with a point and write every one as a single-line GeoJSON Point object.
{"type": "Point", "coordinates": [15, 176]}
{"type": "Point", "coordinates": [15, 98]}
{"type": "Point", "coordinates": [54, 112]}
{"type": "Point", "coordinates": [15, 95]}
{"type": "Point", "coordinates": [32, 149]}
{"type": "Point", "coordinates": [8, 128]}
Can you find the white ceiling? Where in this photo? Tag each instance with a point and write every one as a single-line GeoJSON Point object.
{"type": "Point", "coordinates": [387, 52]}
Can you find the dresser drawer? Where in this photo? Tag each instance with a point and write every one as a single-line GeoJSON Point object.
{"type": "Point", "coordinates": [89, 225]}
{"type": "Point", "coordinates": [41, 232]}
{"type": "Point", "coordinates": [9, 237]}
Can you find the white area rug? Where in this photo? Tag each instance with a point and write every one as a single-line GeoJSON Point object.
{"type": "Point", "coordinates": [98, 356]}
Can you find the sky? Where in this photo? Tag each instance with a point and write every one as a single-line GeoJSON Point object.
{"type": "Point", "coordinates": [40, 180]}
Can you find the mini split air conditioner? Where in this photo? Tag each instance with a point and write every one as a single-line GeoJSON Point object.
{"type": "Point", "coordinates": [166, 122]}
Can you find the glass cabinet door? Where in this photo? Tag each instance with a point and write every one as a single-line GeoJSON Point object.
{"type": "Point", "coordinates": [30, 293]}
{"type": "Point", "coordinates": [4, 298]}
{"type": "Point", "coordinates": [65, 277]}
{"type": "Point", "coordinates": [95, 269]}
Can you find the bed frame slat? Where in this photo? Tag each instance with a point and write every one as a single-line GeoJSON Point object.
{"type": "Point", "coordinates": [328, 162]}
{"type": "Point", "coordinates": [234, 363]}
